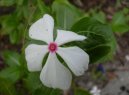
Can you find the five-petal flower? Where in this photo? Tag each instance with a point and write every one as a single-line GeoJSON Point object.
{"type": "Point", "coordinates": [54, 74]}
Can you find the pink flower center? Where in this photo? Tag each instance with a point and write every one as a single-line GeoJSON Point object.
{"type": "Point", "coordinates": [52, 47]}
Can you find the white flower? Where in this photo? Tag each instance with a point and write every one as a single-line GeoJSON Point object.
{"type": "Point", "coordinates": [54, 74]}
{"type": "Point", "coordinates": [95, 91]}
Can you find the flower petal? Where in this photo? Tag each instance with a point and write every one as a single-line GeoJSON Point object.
{"type": "Point", "coordinates": [67, 36]}
{"type": "Point", "coordinates": [54, 74]}
{"type": "Point", "coordinates": [76, 59]}
{"type": "Point", "coordinates": [34, 56]}
{"type": "Point", "coordinates": [42, 29]}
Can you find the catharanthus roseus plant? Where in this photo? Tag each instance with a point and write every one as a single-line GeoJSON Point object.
{"type": "Point", "coordinates": [54, 74]}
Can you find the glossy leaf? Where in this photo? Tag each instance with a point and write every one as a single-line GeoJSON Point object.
{"type": "Point", "coordinates": [100, 37]}
{"type": "Point", "coordinates": [99, 52]}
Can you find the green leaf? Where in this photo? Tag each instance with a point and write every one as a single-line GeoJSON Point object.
{"type": "Point", "coordinates": [126, 10]}
{"type": "Point", "coordinates": [65, 14]}
{"type": "Point", "coordinates": [6, 87]}
{"type": "Point", "coordinates": [11, 58]}
{"type": "Point", "coordinates": [47, 91]}
{"type": "Point", "coordinates": [100, 42]}
{"type": "Point", "coordinates": [11, 73]}
{"type": "Point", "coordinates": [121, 28]}
{"type": "Point", "coordinates": [7, 2]}
{"type": "Point", "coordinates": [101, 50]}
{"type": "Point", "coordinates": [20, 2]}
{"type": "Point", "coordinates": [100, 16]}
{"type": "Point", "coordinates": [32, 82]}
{"type": "Point", "coordinates": [14, 27]}
{"type": "Point", "coordinates": [9, 23]}
{"type": "Point", "coordinates": [43, 8]}
{"type": "Point", "coordinates": [80, 91]}
{"type": "Point", "coordinates": [118, 18]}
{"type": "Point", "coordinates": [119, 22]}
{"type": "Point", "coordinates": [14, 37]}
{"type": "Point", "coordinates": [34, 85]}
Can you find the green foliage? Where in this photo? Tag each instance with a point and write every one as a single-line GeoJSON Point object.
{"type": "Point", "coordinates": [15, 24]}
{"type": "Point", "coordinates": [6, 87]}
{"type": "Point", "coordinates": [11, 58]}
{"type": "Point", "coordinates": [80, 91]}
{"type": "Point", "coordinates": [100, 16]}
{"type": "Point", "coordinates": [34, 85]}
{"type": "Point", "coordinates": [15, 72]}
{"type": "Point", "coordinates": [65, 14]}
{"type": "Point", "coordinates": [11, 73]}
{"type": "Point", "coordinates": [100, 42]}
{"type": "Point", "coordinates": [46, 91]}
{"type": "Point", "coordinates": [32, 82]}
{"type": "Point", "coordinates": [116, 15]}
{"type": "Point", "coordinates": [120, 23]}
{"type": "Point", "coordinates": [14, 60]}
{"type": "Point", "coordinates": [43, 8]}
{"type": "Point", "coordinates": [7, 2]}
